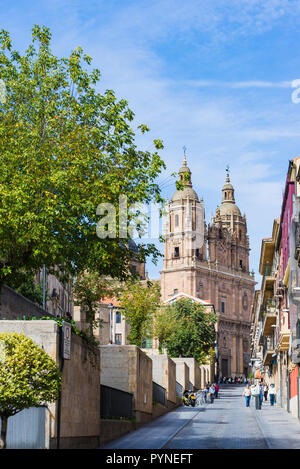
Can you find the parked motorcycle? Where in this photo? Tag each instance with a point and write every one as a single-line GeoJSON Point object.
{"type": "Point", "coordinates": [189, 398]}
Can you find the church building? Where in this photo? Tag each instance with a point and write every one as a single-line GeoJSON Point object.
{"type": "Point", "coordinates": [211, 262]}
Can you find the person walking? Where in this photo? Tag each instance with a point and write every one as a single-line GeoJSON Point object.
{"type": "Point", "coordinates": [266, 388]}
{"type": "Point", "coordinates": [216, 390]}
{"type": "Point", "coordinates": [255, 392]}
{"type": "Point", "coordinates": [247, 394]}
{"type": "Point", "coordinates": [261, 392]}
{"type": "Point", "coordinates": [272, 394]}
{"type": "Point", "coordinates": [211, 393]}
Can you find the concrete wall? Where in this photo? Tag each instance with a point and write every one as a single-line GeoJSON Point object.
{"type": "Point", "coordinates": [164, 374]}
{"type": "Point", "coordinates": [182, 374]}
{"type": "Point", "coordinates": [127, 368]}
{"type": "Point", "coordinates": [112, 429]}
{"type": "Point", "coordinates": [16, 306]}
{"type": "Point", "coordinates": [207, 374]}
{"type": "Point", "coordinates": [80, 411]}
{"type": "Point", "coordinates": [80, 404]}
{"type": "Point", "coordinates": [194, 370]}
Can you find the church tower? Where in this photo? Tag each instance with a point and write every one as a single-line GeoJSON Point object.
{"type": "Point", "coordinates": [185, 238]}
{"type": "Point", "coordinates": [211, 263]}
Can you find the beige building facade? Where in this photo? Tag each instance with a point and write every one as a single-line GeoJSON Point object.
{"type": "Point", "coordinates": [211, 262]}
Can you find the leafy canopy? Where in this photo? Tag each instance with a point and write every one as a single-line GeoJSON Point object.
{"type": "Point", "coordinates": [140, 302]}
{"type": "Point", "coordinates": [184, 329]}
{"type": "Point", "coordinates": [65, 148]}
{"type": "Point", "coordinates": [29, 377]}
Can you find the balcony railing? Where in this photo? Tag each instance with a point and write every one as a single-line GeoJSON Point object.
{"type": "Point", "coordinates": [269, 320]}
{"type": "Point", "coordinates": [268, 350]}
{"type": "Point", "coordinates": [284, 332]}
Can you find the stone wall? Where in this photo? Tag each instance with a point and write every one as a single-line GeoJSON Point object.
{"type": "Point", "coordinates": [80, 396]}
{"type": "Point", "coordinates": [164, 374]}
{"type": "Point", "coordinates": [182, 374]}
{"type": "Point", "coordinates": [194, 370]}
{"type": "Point", "coordinates": [16, 306]}
{"type": "Point", "coordinates": [127, 368]}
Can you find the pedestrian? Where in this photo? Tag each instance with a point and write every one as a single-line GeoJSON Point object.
{"type": "Point", "coordinates": [261, 391]}
{"type": "Point", "coordinates": [205, 391]}
{"type": "Point", "coordinates": [247, 394]}
{"type": "Point", "coordinates": [266, 391]}
{"type": "Point", "coordinates": [272, 394]}
{"type": "Point", "coordinates": [216, 391]}
{"type": "Point", "coordinates": [211, 393]}
{"type": "Point", "coordinates": [255, 393]}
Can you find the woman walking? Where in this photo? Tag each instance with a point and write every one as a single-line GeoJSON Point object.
{"type": "Point", "coordinates": [266, 391]}
{"type": "Point", "coordinates": [247, 394]}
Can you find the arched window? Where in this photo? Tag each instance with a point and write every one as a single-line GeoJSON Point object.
{"type": "Point", "coordinates": [225, 195]}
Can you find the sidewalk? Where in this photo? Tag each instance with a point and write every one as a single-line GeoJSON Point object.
{"type": "Point", "coordinates": [279, 428]}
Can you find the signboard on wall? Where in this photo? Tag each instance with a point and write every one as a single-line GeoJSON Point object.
{"type": "Point", "coordinates": [66, 340]}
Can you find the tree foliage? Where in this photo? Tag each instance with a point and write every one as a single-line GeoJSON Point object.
{"type": "Point", "coordinates": [90, 289]}
{"type": "Point", "coordinates": [65, 148]}
{"type": "Point", "coordinates": [184, 329]}
{"type": "Point", "coordinates": [140, 302]}
{"type": "Point", "coordinates": [29, 377]}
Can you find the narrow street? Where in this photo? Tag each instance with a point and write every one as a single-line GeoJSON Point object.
{"type": "Point", "coordinates": [225, 424]}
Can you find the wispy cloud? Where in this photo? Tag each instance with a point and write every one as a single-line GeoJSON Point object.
{"type": "Point", "coordinates": [247, 121]}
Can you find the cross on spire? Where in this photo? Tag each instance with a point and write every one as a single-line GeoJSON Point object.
{"type": "Point", "coordinates": [227, 171]}
{"type": "Point", "coordinates": [184, 155]}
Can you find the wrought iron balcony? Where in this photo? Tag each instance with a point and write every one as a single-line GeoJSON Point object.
{"type": "Point", "coordinates": [268, 321]}
{"type": "Point", "coordinates": [268, 351]}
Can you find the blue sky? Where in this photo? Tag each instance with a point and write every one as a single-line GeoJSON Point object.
{"type": "Point", "coordinates": [212, 75]}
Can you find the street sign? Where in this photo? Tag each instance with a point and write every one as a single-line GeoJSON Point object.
{"type": "Point", "coordinates": [66, 345]}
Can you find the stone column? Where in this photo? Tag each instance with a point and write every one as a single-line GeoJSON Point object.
{"type": "Point", "coordinates": [241, 355]}
{"type": "Point", "coordinates": [233, 359]}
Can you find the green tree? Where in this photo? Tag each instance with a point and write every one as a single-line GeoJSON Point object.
{"type": "Point", "coordinates": [140, 302]}
{"type": "Point", "coordinates": [186, 330]}
{"type": "Point", "coordinates": [30, 289]}
{"type": "Point", "coordinates": [29, 377]}
{"type": "Point", "coordinates": [65, 148]}
{"type": "Point", "coordinates": [89, 290]}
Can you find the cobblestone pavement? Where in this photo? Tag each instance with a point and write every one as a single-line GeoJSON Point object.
{"type": "Point", "coordinates": [225, 424]}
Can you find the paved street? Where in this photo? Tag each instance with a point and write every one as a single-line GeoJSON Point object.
{"type": "Point", "coordinates": [226, 424]}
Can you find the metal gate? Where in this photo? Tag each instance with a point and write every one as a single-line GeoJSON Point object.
{"type": "Point", "coordinates": [27, 429]}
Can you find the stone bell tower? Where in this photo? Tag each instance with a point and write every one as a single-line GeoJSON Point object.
{"type": "Point", "coordinates": [185, 238]}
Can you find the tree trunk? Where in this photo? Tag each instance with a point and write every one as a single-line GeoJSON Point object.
{"type": "Point", "coordinates": [3, 432]}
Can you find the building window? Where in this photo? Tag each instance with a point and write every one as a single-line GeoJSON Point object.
{"type": "Point", "coordinates": [118, 339]}
{"type": "Point", "coordinates": [176, 220]}
{"type": "Point", "coordinates": [147, 343]}
{"type": "Point", "coordinates": [118, 317]}
{"type": "Point", "coordinates": [240, 234]}
{"type": "Point", "coordinates": [176, 252]}
{"type": "Point", "coordinates": [197, 253]}
{"type": "Point", "coordinates": [222, 306]}
{"type": "Point", "coordinates": [175, 291]}
{"type": "Point", "coordinates": [241, 263]}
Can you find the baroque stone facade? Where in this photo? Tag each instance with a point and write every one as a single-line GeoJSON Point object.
{"type": "Point", "coordinates": [211, 262]}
